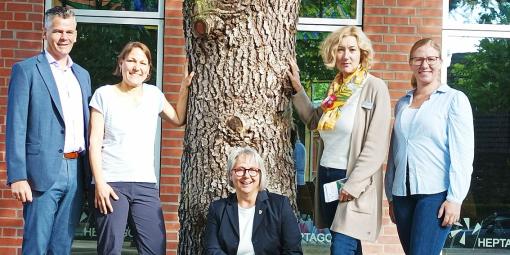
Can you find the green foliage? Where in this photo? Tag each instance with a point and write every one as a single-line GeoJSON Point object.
{"type": "Point", "coordinates": [98, 46]}
{"type": "Point", "coordinates": [454, 4]}
{"type": "Point", "coordinates": [498, 15]}
{"type": "Point", "coordinates": [313, 72]}
{"type": "Point", "coordinates": [338, 9]}
{"type": "Point", "coordinates": [489, 12]}
{"type": "Point", "coordinates": [483, 75]}
{"type": "Point", "coordinates": [314, 75]}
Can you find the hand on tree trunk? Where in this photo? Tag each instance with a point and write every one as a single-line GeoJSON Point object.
{"type": "Point", "coordinates": [294, 78]}
{"type": "Point", "coordinates": [187, 81]}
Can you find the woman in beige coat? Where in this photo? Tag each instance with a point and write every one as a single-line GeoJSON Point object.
{"type": "Point", "coordinates": [354, 124]}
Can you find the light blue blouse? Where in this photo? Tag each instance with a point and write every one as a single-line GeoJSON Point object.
{"type": "Point", "coordinates": [439, 147]}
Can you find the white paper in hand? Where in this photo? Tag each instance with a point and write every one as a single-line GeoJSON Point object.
{"type": "Point", "coordinates": [332, 190]}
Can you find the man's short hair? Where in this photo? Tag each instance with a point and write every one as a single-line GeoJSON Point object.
{"type": "Point", "coordinates": [57, 11]}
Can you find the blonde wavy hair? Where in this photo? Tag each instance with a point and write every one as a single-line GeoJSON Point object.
{"type": "Point", "coordinates": [329, 46]}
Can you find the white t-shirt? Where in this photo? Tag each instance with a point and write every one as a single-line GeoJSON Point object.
{"type": "Point", "coordinates": [246, 217]}
{"type": "Point", "coordinates": [338, 141]}
{"type": "Point", "coordinates": [129, 134]}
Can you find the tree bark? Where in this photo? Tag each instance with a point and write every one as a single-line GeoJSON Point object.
{"type": "Point", "coordinates": [239, 50]}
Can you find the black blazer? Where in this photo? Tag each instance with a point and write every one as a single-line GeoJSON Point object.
{"type": "Point", "coordinates": [275, 227]}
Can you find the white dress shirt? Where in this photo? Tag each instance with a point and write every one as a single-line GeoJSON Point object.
{"type": "Point", "coordinates": [71, 101]}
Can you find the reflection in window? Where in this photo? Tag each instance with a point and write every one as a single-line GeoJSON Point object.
{"type": "Point", "coordinates": [120, 5]}
{"type": "Point", "coordinates": [315, 77]}
{"type": "Point", "coordinates": [482, 75]}
{"type": "Point", "coordinates": [480, 71]}
{"type": "Point", "coordinates": [479, 12]}
{"type": "Point", "coordinates": [98, 46]}
{"type": "Point", "coordinates": [96, 50]}
{"type": "Point", "coordinates": [338, 9]}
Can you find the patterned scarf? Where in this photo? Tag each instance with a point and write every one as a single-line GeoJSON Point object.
{"type": "Point", "coordinates": [339, 92]}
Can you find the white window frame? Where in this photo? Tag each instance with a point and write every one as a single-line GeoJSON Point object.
{"type": "Point", "coordinates": [448, 34]}
{"type": "Point", "coordinates": [120, 14]}
{"type": "Point", "coordinates": [306, 24]}
{"type": "Point", "coordinates": [466, 30]}
{"type": "Point", "coordinates": [480, 27]}
{"type": "Point", "coordinates": [135, 18]}
{"type": "Point", "coordinates": [476, 31]}
{"type": "Point", "coordinates": [134, 21]}
{"type": "Point", "coordinates": [330, 24]}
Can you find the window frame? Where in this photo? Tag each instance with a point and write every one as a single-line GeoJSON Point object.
{"type": "Point", "coordinates": [120, 14]}
{"type": "Point", "coordinates": [465, 30]}
{"type": "Point", "coordinates": [306, 24]}
{"type": "Point", "coordinates": [330, 24]}
{"type": "Point", "coordinates": [479, 27]}
{"type": "Point", "coordinates": [156, 19]}
{"type": "Point", "coordinates": [135, 21]}
{"type": "Point", "coordinates": [476, 31]}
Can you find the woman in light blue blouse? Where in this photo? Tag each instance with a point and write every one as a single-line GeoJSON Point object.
{"type": "Point", "coordinates": [431, 155]}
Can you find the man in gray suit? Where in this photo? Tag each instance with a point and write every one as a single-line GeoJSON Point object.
{"type": "Point", "coordinates": [46, 141]}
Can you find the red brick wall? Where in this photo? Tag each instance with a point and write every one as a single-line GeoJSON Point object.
{"type": "Point", "coordinates": [174, 63]}
{"type": "Point", "coordinates": [21, 23]}
{"type": "Point", "coordinates": [392, 25]}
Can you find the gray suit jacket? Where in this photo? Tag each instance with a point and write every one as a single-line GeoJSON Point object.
{"type": "Point", "coordinates": [35, 125]}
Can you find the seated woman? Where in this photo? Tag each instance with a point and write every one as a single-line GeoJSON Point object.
{"type": "Point", "coordinates": [253, 220]}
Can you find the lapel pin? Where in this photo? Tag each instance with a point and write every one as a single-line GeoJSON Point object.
{"type": "Point", "coordinates": [260, 211]}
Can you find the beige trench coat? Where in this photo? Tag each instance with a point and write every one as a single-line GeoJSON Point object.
{"type": "Point", "coordinates": [361, 217]}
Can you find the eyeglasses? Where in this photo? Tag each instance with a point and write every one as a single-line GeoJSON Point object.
{"type": "Point", "coordinates": [241, 171]}
{"type": "Point", "coordinates": [418, 61]}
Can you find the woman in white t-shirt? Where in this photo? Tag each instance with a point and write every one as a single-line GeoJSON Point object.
{"type": "Point", "coordinates": [252, 220]}
{"type": "Point", "coordinates": [123, 125]}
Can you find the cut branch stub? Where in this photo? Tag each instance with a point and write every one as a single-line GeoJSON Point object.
{"type": "Point", "coordinates": [200, 27]}
{"type": "Point", "coordinates": [204, 25]}
{"type": "Point", "coordinates": [235, 124]}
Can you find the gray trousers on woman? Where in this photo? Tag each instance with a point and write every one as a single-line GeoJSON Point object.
{"type": "Point", "coordinates": [139, 201]}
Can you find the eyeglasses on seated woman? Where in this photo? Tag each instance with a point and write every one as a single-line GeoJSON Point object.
{"type": "Point", "coordinates": [252, 220]}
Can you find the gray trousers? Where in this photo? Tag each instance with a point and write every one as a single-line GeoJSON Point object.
{"type": "Point", "coordinates": [140, 202]}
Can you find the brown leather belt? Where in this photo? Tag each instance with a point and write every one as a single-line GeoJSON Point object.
{"type": "Point", "coordinates": [71, 155]}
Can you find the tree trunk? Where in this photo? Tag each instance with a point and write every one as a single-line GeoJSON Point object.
{"type": "Point", "coordinates": [239, 50]}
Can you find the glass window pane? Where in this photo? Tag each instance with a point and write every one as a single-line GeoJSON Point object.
{"type": "Point", "coordinates": [113, 5]}
{"type": "Point", "coordinates": [98, 46]}
{"type": "Point", "coordinates": [96, 50]}
{"type": "Point", "coordinates": [337, 9]}
{"type": "Point", "coordinates": [315, 77]}
{"type": "Point", "coordinates": [480, 69]}
{"type": "Point", "coordinates": [479, 12]}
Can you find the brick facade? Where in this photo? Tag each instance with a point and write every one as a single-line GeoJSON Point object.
{"type": "Point", "coordinates": [20, 37]}
{"type": "Point", "coordinates": [174, 63]}
{"type": "Point", "coordinates": [392, 25]}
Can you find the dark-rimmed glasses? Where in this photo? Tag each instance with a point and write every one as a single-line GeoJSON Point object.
{"type": "Point", "coordinates": [241, 171]}
{"type": "Point", "coordinates": [418, 61]}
